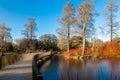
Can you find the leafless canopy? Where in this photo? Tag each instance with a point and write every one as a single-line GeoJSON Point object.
{"type": "Point", "coordinates": [5, 33]}
{"type": "Point", "coordinates": [110, 10]}
{"type": "Point", "coordinates": [30, 28]}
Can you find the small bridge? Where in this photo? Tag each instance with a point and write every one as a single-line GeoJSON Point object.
{"type": "Point", "coordinates": [21, 70]}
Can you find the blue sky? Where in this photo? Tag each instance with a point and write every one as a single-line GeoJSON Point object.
{"type": "Point", "coordinates": [46, 12]}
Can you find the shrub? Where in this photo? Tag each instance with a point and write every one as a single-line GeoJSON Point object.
{"type": "Point", "coordinates": [112, 49]}
{"type": "Point", "coordinates": [73, 52]}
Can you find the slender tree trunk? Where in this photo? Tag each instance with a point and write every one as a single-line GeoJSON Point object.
{"type": "Point", "coordinates": [93, 48]}
{"type": "Point", "coordinates": [31, 32]}
{"type": "Point", "coordinates": [93, 45]}
{"type": "Point", "coordinates": [27, 32]}
{"type": "Point", "coordinates": [111, 26]}
{"type": "Point", "coordinates": [111, 34]}
{"type": "Point", "coordinates": [84, 39]}
{"type": "Point", "coordinates": [68, 36]}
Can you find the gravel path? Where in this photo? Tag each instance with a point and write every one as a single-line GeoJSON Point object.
{"type": "Point", "coordinates": [20, 71]}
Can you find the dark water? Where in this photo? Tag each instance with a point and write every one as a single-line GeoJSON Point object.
{"type": "Point", "coordinates": [59, 68]}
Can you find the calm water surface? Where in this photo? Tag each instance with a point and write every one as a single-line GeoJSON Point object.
{"type": "Point", "coordinates": [59, 68]}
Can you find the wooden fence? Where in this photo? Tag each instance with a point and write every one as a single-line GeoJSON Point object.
{"type": "Point", "coordinates": [37, 61]}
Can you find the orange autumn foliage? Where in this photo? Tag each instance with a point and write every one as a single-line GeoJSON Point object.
{"type": "Point", "coordinates": [89, 51]}
{"type": "Point", "coordinates": [109, 49]}
{"type": "Point", "coordinates": [73, 52]}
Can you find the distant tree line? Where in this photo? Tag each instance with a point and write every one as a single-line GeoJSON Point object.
{"type": "Point", "coordinates": [28, 44]}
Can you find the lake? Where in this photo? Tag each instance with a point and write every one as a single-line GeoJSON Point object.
{"type": "Point", "coordinates": [59, 68]}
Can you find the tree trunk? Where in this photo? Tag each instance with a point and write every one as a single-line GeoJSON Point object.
{"type": "Point", "coordinates": [68, 36]}
{"type": "Point", "coordinates": [84, 39]}
{"type": "Point", "coordinates": [111, 25]}
{"type": "Point", "coordinates": [93, 48]}
{"type": "Point", "coordinates": [27, 32]}
{"type": "Point", "coordinates": [111, 34]}
{"type": "Point", "coordinates": [31, 32]}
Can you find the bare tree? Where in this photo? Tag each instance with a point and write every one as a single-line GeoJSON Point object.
{"type": "Point", "coordinates": [5, 33]}
{"type": "Point", "coordinates": [30, 29]}
{"type": "Point", "coordinates": [85, 19]}
{"type": "Point", "coordinates": [66, 22]}
{"type": "Point", "coordinates": [5, 36]}
{"type": "Point", "coordinates": [110, 10]}
{"type": "Point", "coordinates": [26, 31]}
{"type": "Point", "coordinates": [32, 26]}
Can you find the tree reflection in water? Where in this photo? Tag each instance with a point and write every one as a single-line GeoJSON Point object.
{"type": "Point", "coordinates": [60, 68]}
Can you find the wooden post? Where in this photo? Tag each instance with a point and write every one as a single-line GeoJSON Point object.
{"type": "Point", "coordinates": [39, 77]}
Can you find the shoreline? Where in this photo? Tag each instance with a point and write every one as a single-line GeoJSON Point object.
{"type": "Point", "coordinates": [89, 57]}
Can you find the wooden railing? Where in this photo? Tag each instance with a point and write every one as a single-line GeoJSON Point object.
{"type": "Point", "coordinates": [37, 61]}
